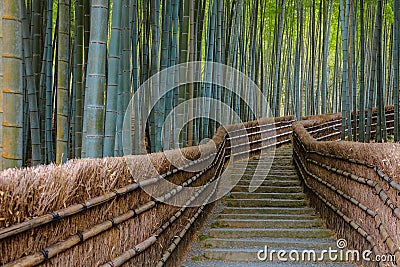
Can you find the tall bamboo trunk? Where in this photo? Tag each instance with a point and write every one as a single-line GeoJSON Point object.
{"type": "Point", "coordinates": [373, 78]}
{"type": "Point", "coordinates": [379, 76]}
{"type": "Point", "coordinates": [78, 78]}
{"type": "Point", "coordinates": [31, 89]}
{"type": "Point", "coordinates": [325, 74]}
{"type": "Point", "coordinates": [362, 74]}
{"type": "Point", "coordinates": [36, 33]}
{"type": "Point", "coordinates": [124, 89]}
{"type": "Point", "coordinates": [1, 83]}
{"type": "Point", "coordinates": [112, 81]}
{"type": "Point", "coordinates": [12, 85]}
{"type": "Point", "coordinates": [208, 72]}
{"type": "Point", "coordinates": [63, 82]}
{"type": "Point", "coordinates": [396, 36]}
{"type": "Point", "coordinates": [344, 13]}
{"type": "Point", "coordinates": [96, 79]}
{"type": "Point", "coordinates": [277, 88]}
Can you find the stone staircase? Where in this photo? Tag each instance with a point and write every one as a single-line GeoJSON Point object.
{"type": "Point", "coordinates": [275, 216]}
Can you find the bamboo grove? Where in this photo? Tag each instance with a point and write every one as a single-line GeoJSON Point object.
{"type": "Point", "coordinates": [68, 68]}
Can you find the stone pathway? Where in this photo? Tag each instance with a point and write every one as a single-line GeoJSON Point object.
{"type": "Point", "coordinates": [276, 216]}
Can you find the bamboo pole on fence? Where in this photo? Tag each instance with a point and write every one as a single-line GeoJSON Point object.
{"type": "Point", "coordinates": [181, 235]}
{"type": "Point", "coordinates": [387, 239]}
{"type": "Point", "coordinates": [59, 247]}
{"type": "Point", "coordinates": [93, 202]}
{"type": "Point", "coordinates": [131, 253]}
{"type": "Point", "coordinates": [66, 212]}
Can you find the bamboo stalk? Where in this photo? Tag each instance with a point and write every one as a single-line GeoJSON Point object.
{"type": "Point", "coordinates": [79, 63]}
{"type": "Point", "coordinates": [12, 85]}
{"type": "Point", "coordinates": [96, 80]}
{"type": "Point", "coordinates": [1, 83]}
{"type": "Point", "coordinates": [48, 85]}
{"type": "Point", "coordinates": [31, 88]}
{"type": "Point", "coordinates": [112, 81]}
{"type": "Point", "coordinates": [35, 29]}
{"type": "Point", "coordinates": [63, 81]}
{"type": "Point", "coordinates": [396, 61]}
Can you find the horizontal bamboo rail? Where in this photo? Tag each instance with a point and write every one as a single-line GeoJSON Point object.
{"type": "Point", "coordinates": [129, 254]}
{"type": "Point", "coordinates": [382, 230]}
{"type": "Point", "coordinates": [58, 215]}
{"type": "Point", "coordinates": [59, 247]}
{"type": "Point", "coordinates": [302, 158]}
{"type": "Point", "coordinates": [379, 172]}
{"type": "Point", "coordinates": [224, 153]}
{"type": "Point", "coordinates": [345, 218]}
{"type": "Point", "coordinates": [262, 126]}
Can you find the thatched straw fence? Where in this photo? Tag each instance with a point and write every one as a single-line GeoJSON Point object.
{"type": "Point", "coordinates": [354, 186]}
{"type": "Point", "coordinates": [95, 212]}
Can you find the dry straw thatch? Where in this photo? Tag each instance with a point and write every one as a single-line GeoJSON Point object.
{"type": "Point", "coordinates": [339, 165]}
{"type": "Point", "coordinates": [32, 192]}
{"type": "Point", "coordinates": [91, 195]}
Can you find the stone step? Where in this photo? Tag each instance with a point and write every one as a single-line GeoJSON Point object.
{"type": "Point", "coordinates": [263, 176]}
{"type": "Point", "coordinates": [275, 216]}
{"type": "Point", "coordinates": [266, 202]}
{"type": "Point", "coordinates": [267, 165]}
{"type": "Point", "coordinates": [270, 232]}
{"type": "Point", "coordinates": [247, 195]}
{"type": "Point", "coordinates": [272, 172]}
{"type": "Point", "coordinates": [275, 162]}
{"type": "Point", "coordinates": [262, 171]}
{"type": "Point", "coordinates": [268, 182]}
{"type": "Point", "coordinates": [269, 223]}
{"type": "Point", "coordinates": [267, 216]}
{"type": "Point", "coordinates": [267, 162]}
{"type": "Point", "coordinates": [276, 156]}
{"type": "Point", "coordinates": [269, 189]}
{"type": "Point", "coordinates": [321, 243]}
{"type": "Point", "coordinates": [267, 210]}
{"type": "Point", "coordinates": [250, 254]}
{"type": "Point", "coordinates": [282, 173]}
{"type": "Point", "coordinates": [246, 177]}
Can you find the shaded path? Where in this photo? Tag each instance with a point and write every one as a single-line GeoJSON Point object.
{"type": "Point", "coordinates": [275, 215]}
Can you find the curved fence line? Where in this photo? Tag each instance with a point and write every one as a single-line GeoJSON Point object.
{"type": "Point", "coordinates": [55, 251]}
{"type": "Point", "coordinates": [323, 168]}
{"type": "Point", "coordinates": [173, 231]}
